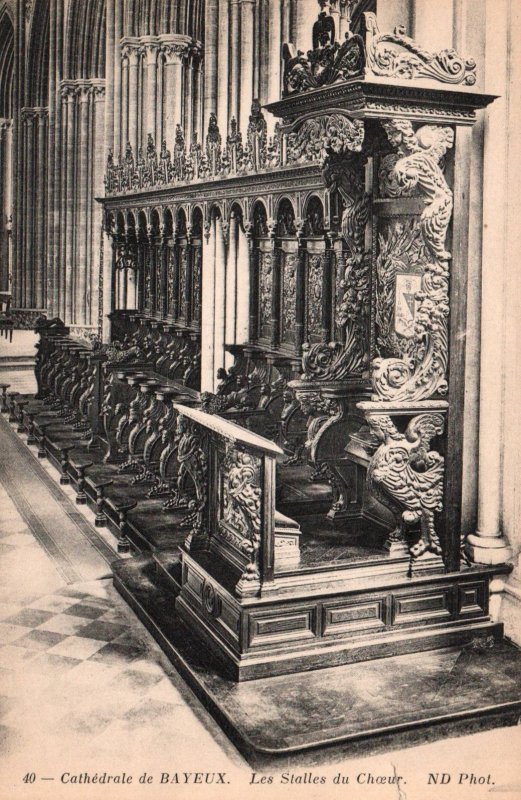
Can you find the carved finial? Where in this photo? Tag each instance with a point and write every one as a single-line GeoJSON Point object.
{"type": "Point", "coordinates": [179, 137]}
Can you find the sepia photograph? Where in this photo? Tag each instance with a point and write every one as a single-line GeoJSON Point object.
{"type": "Point", "coordinates": [260, 391]}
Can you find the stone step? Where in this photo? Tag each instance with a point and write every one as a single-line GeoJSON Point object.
{"type": "Point", "coordinates": [431, 694]}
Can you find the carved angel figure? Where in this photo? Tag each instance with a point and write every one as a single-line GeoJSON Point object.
{"type": "Point", "coordinates": [418, 162]}
{"type": "Point", "coordinates": [407, 477]}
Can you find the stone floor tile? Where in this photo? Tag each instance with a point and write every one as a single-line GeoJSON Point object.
{"type": "Point", "coordinates": [30, 617]}
{"type": "Point", "coordinates": [77, 647]}
{"type": "Point", "coordinates": [113, 653]}
{"type": "Point", "coordinates": [41, 640]}
{"type": "Point", "coordinates": [53, 663]}
{"type": "Point", "coordinates": [53, 603]}
{"type": "Point", "coordinates": [9, 633]}
{"type": "Point", "coordinates": [151, 665]}
{"type": "Point", "coordinates": [65, 623]}
{"type": "Point", "coordinates": [94, 674]}
{"type": "Point", "coordinates": [85, 610]}
{"type": "Point", "coordinates": [106, 631]}
{"type": "Point", "coordinates": [13, 657]}
{"type": "Point", "coordinates": [137, 680]}
{"type": "Point", "coordinates": [8, 610]}
{"type": "Point", "coordinates": [165, 692]}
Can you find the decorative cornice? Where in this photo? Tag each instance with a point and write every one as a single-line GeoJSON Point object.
{"type": "Point", "coordinates": [304, 177]}
{"type": "Point", "coordinates": [372, 99]}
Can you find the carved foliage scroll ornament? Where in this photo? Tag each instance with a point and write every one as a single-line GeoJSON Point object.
{"type": "Point", "coordinates": [407, 477]}
{"type": "Point", "coordinates": [322, 136]}
{"type": "Point", "coordinates": [420, 369]}
{"type": "Point", "coordinates": [396, 55]}
{"type": "Point", "coordinates": [336, 361]}
{"type": "Point", "coordinates": [289, 294]}
{"type": "Point", "coordinates": [241, 506]}
{"type": "Point", "coordinates": [196, 282]}
{"type": "Point", "coordinates": [192, 468]}
{"type": "Point", "coordinates": [266, 286]}
{"type": "Point", "coordinates": [326, 64]}
{"type": "Point", "coordinates": [314, 294]}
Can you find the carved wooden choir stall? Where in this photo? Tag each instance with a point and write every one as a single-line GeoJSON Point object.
{"type": "Point", "coordinates": [275, 426]}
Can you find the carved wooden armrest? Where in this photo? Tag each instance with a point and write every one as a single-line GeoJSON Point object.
{"type": "Point", "coordinates": [81, 497]}
{"type": "Point", "coordinates": [99, 487]}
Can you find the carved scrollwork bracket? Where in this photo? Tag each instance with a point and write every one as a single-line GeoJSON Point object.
{"type": "Point", "coordinates": [396, 55]}
{"type": "Point", "coordinates": [412, 268]}
{"type": "Point", "coordinates": [404, 474]}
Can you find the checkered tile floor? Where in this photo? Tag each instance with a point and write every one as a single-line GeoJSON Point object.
{"type": "Point", "coordinates": [81, 677]}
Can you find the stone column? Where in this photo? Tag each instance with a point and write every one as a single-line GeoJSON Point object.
{"type": "Point", "coordinates": [286, 20]}
{"type": "Point", "coordinates": [82, 155]}
{"type": "Point", "coordinates": [18, 151]}
{"type": "Point", "coordinates": [220, 298]}
{"type": "Point", "coordinates": [95, 224]}
{"type": "Point", "coordinates": [243, 286]}
{"type": "Point", "coordinates": [223, 54]}
{"type": "Point", "coordinates": [29, 221]}
{"type": "Point", "coordinates": [52, 147]}
{"type": "Point", "coordinates": [40, 299]}
{"type": "Point", "coordinates": [151, 51]}
{"type": "Point", "coordinates": [246, 77]}
{"type": "Point", "coordinates": [4, 263]}
{"type": "Point", "coordinates": [197, 132]}
{"type": "Point", "coordinates": [120, 134]}
{"type": "Point", "coordinates": [234, 59]}
{"type": "Point", "coordinates": [303, 25]}
{"type": "Point", "coordinates": [230, 335]}
{"type": "Point", "coordinates": [208, 308]}
{"type": "Point", "coordinates": [274, 82]}
{"type": "Point", "coordinates": [210, 61]}
{"type": "Point", "coordinates": [69, 203]}
{"type": "Point", "coordinates": [109, 72]}
{"type": "Point", "coordinates": [133, 56]}
{"type": "Point", "coordinates": [188, 98]}
{"type": "Point", "coordinates": [61, 175]}
{"type": "Point", "coordinates": [55, 173]}
{"type": "Point", "coordinates": [124, 134]}
{"type": "Point", "coordinates": [174, 88]}
{"type": "Point", "coordinates": [488, 544]}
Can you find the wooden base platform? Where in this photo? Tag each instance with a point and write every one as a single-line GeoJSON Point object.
{"type": "Point", "coordinates": [381, 703]}
{"type": "Point", "coordinates": [349, 599]}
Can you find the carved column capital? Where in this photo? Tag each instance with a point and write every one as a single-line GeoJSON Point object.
{"type": "Point", "coordinates": [150, 51]}
{"type": "Point", "coordinates": [131, 51]}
